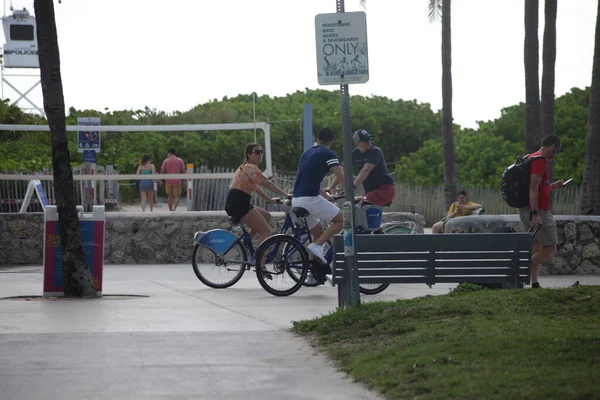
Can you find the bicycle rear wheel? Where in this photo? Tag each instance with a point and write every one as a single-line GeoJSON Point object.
{"type": "Point", "coordinates": [397, 228]}
{"type": "Point", "coordinates": [375, 288]}
{"type": "Point", "coordinates": [281, 265]}
{"type": "Point", "coordinates": [219, 272]}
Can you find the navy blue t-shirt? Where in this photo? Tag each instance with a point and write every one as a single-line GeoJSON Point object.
{"type": "Point", "coordinates": [312, 167]}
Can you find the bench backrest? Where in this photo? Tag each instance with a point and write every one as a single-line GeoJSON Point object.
{"type": "Point", "coordinates": [430, 259]}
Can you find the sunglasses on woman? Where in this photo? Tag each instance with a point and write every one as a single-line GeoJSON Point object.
{"type": "Point", "coordinates": [258, 152]}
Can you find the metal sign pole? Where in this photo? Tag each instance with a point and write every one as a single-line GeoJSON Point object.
{"type": "Point", "coordinates": [352, 295]}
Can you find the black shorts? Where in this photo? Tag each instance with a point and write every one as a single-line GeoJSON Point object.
{"type": "Point", "coordinates": [237, 204]}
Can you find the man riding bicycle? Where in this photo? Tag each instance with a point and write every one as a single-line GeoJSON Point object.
{"type": "Point", "coordinates": [312, 168]}
{"type": "Point", "coordinates": [372, 172]}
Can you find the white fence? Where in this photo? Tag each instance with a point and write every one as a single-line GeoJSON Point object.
{"type": "Point", "coordinates": [210, 188]}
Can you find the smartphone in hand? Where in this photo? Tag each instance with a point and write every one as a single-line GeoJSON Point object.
{"type": "Point", "coordinates": [565, 183]}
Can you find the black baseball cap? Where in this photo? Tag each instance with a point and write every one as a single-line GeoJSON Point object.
{"type": "Point", "coordinates": [326, 134]}
{"type": "Point", "coordinates": [362, 135]}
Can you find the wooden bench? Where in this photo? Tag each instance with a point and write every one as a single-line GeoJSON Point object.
{"type": "Point", "coordinates": [449, 258]}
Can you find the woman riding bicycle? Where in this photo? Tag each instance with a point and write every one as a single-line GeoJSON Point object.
{"type": "Point", "coordinates": [247, 179]}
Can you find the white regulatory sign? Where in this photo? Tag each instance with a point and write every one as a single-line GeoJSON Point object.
{"type": "Point", "coordinates": [342, 56]}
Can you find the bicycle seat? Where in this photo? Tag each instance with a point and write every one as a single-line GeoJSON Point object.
{"type": "Point", "coordinates": [300, 212]}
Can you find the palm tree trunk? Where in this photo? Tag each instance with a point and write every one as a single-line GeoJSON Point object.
{"type": "Point", "coordinates": [76, 274]}
{"type": "Point", "coordinates": [548, 65]}
{"type": "Point", "coordinates": [549, 62]}
{"type": "Point", "coordinates": [590, 188]}
{"type": "Point", "coordinates": [447, 127]}
{"type": "Point", "coordinates": [532, 79]}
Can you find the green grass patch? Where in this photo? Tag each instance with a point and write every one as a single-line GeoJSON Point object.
{"type": "Point", "coordinates": [470, 344]}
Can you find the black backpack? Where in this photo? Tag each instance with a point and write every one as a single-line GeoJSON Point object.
{"type": "Point", "coordinates": [515, 182]}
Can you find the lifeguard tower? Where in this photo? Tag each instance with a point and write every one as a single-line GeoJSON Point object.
{"type": "Point", "coordinates": [20, 53]}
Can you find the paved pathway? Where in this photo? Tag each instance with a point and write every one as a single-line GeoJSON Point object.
{"type": "Point", "coordinates": [183, 341]}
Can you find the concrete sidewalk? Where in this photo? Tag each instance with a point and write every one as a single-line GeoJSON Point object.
{"type": "Point", "coordinates": [182, 341]}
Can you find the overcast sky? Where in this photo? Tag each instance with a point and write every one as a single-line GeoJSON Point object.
{"type": "Point", "coordinates": [175, 54]}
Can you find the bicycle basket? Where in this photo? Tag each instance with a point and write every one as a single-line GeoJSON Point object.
{"type": "Point", "coordinates": [368, 218]}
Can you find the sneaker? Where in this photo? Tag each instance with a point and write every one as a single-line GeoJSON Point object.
{"type": "Point", "coordinates": [317, 251]}
{"type": "Point", "coordinates": [311, 281]}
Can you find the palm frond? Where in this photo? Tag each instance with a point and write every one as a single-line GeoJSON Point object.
{"type": "Point", "coordinates": [435, 10]}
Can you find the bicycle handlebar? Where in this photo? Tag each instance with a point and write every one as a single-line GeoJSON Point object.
{"type": "Point", "coordinates": [356, 201]}
{"type": "Point", "coordinates": [279, 200]}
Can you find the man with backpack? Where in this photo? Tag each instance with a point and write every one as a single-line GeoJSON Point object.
{"type": "Point", "coordinates": [537, 210]}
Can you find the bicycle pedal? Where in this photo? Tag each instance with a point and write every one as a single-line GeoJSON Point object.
{"type": "Point", "coordinates": [267, 274]}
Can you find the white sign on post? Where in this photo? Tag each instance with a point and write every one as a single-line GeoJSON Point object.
{"type": "Point", "coordinates": [342, 56]}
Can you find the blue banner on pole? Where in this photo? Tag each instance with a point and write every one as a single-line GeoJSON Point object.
{"type": "Point", "coordinates": [89, 156]}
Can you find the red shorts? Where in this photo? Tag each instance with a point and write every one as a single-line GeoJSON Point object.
{"type": "Point", "coordinates": [381, 196]}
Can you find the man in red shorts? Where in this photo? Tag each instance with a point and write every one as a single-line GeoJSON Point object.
{"type": "Point", "coordinates": [372, 172]}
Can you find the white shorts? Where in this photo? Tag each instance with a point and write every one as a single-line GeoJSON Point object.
{"type": "Point", "coordinates": [319, 208]}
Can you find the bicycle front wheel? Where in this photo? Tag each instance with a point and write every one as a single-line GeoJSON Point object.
{"type": "Point", "coordinates": [281, 265]}
{"type": "Point", "coordinates": [219, 272]}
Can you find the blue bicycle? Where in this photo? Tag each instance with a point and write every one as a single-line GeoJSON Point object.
{"type": "Point", "coordinates": [221, 257]}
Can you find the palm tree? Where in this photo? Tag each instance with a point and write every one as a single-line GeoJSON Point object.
{"type": "Point", "coordinates": [589, 201]}
{"type": "Point", "coordinates": [532, 86]}
{"type": "Point", "coordinates": [549, 62]}
{"type": "Point", "coordinates": [76, 274]}
{"type": "Point", "coordinates": [443, 8]}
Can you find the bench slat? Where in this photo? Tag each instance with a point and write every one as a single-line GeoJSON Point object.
{"type": "Point", "coordinates": [462, 255]}
{"type": "Point", "coordinates": [423, 271]}
{"type": "Point", "coordinates": [392, 264]}
{"type": "Point", "coordinates": [396, 279]}
{"type": "Point", "coordinates": [472, 271]}
{"type": "Point", "coordinates": [392, 272]}
{"type": "Point", "coordinates": [365, 265]}
{"type": "Point", "coordinates": [482, 241]}
{"type": "Point", "coordinates": [383, 243]}
{"type": "Point", "coordinates": [477, 279]}
{"type": "Point", "coordinates": [370, 256]}
{"type": "Point", "coordinates": [473, 263]}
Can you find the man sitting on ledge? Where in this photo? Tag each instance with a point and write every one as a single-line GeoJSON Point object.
{"type": "Point", "coordinates": [460, 208]}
